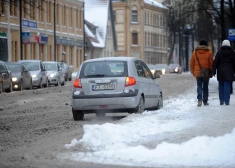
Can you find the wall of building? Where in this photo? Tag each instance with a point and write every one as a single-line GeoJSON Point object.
{"type": "Point", "coordinates": [40, 23]}
{"type": "Point", "coordinates": [152, 45]}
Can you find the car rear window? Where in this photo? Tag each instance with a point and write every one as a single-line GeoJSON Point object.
{"type": "Point", "coordinates": [99, 69]}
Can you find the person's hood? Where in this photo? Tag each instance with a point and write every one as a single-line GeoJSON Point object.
{"type": "Point", "coordinates": [201, 49]}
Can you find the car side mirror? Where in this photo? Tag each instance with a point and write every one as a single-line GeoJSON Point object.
{"type": "Point", "coordinates": [156, 75]}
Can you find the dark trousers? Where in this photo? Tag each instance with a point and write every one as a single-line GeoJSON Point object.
{"type": "Point", "coordinates": [231, 87]}
{"type": "Point", "coordinates": [224, 91]}
{"type": "Point", "coordinates": [202, 90]}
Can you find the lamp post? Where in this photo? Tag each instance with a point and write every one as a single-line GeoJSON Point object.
{"type": "Point", "coordinates": [20, 6]}
{"type": "Point", "coordinates": [54, 13]}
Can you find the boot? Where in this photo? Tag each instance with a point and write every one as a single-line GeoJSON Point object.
{"type": "Point", "coordinates": [199, 104]}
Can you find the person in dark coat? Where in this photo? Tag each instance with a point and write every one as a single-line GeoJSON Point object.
{"type": "Point", "coordinates": [224, 67]}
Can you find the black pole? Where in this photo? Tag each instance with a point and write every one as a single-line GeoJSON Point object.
{"type": "Point", "coordinates": [84, 41]}
{"type": "Point", "coordinates": [20, 4]}
{"type": "Point", "coordinates": [54, 31]}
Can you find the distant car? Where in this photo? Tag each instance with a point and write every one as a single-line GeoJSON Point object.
{"type": "Point", "coordinates": [152, 68]}
{"type": "Point", "coordinates": [21, 77]}
{"type": "Point", "coordinates": [175, 68]}
{"type": "Point", "coordinates": [5, 78]}
{"type": "Point", "coordinates": [54, 73]}
{"type": "Point", "coordinates": [162, 68]}
{"type": "Point", "coordinates": [37, 71]}
{"type": "Point", "coordinates": [115, 84]}
{"type": "Point", "coordinates": [66, 70]}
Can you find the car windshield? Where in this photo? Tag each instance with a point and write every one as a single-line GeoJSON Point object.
{"type": "Point", "coordinates": [32, 66]}
{"type": "Point", "coordinates": [14, 67]}
{"type": "Point", "coordinates": [104, 69]}
{"type": "Point", "coordinates": [50, 66]}
{"type": "Point", "coordinates": [151, 66]}
{"type": "Point", "coordinates": [173, 65]}
{"type": "Point", "coordinates": [161, 66]}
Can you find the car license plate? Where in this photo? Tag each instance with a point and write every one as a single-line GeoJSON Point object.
{"type": "Point", "coordinates": [103, 87]}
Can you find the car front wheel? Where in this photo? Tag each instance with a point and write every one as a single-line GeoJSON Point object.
{"type": "Point", "coordinates": [77, 115]}
{"type": "Point", "coordinates": [160, 103]}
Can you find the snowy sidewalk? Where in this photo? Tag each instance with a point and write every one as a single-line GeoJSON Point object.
{"type": "Point", "coordinates": [180, 134]}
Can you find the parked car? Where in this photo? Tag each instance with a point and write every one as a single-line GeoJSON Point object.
{"type": "Point", "coordinates": [54, 73]}
{"type": "Point", "coordinates": [162, 68]}
{"type": "Point", "coordinates": [67, 70]}
{"type": "Point", "coordinates": [21, 77]}
{"type": "Point", "coordinates": [5, 78]}
{"type": "Point", "coordinates": [175, 68]}
{"type": "Point", "coordinates": [152, 68]}
{"type": "Point", "coordinates": [37, 71]}
{"type": "Point", "coordinates": [115, 84]}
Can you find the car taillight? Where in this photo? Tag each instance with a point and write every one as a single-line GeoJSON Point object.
{"type": "Point", "coordinates": [77, 83]}
{"type": "Point", "coordinates": [130, 81]}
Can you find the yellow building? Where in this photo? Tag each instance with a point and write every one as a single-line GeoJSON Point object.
{"type": "Point", "coordinates": [141, 30]}
{"type": "Point", "coordinates": [38, 31]}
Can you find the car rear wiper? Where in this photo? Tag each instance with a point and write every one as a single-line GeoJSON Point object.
{"type": "Point", "coordinates": [96, 75]}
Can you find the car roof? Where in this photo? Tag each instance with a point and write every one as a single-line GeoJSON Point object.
{"type": "Point", "coordinates": [122, 58]}
{"type": "Point", "coordinates": [50, 62]}
{"type": "Point", "coordinates": [13, 63]}
{"type": "Point", "coordinates": [29, 61]}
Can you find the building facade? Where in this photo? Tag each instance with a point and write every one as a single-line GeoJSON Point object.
{"type": "Point", "coordinates": [141, 30]}
{"type": "Point", "coordinates": [99, 29]}
{"type": "Point", "coordinates": [38, 31]}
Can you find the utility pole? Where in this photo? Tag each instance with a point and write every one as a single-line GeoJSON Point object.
{"type": "Point", "coordinates": [20, 5]}
{"type": "Point", "coordinates": [54, 13]}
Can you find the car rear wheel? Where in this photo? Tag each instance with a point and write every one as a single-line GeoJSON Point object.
{"type": "Point", "coordinates": [140, 107]}
{"type": "Point", "coordinates": [160, 103]}
{"type": "Point", "coordinates": [77, 115]}
{"type": "Point", "coordinates": [0, 88]}
{"type": "Point", "coordinates": [100, 114]}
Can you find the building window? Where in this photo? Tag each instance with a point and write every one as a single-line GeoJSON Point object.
{"type": "Point", "coordinates": [2, 7]}
{"type": "Point", "coordinates": [134, 16]}
{"type": "Point", "coordinates": [114, 16]}
{"type": "Point", "coordinates": [135, 38]}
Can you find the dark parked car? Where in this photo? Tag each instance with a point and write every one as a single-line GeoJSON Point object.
{"type": "Point", "coordinates": [21, 77]}
{"type": "Point", "coordinates": [67, 70]}
{"type": "Point", "coordinates": [37, 71]}
{"type": "Point", "coordinates": [5, 78]}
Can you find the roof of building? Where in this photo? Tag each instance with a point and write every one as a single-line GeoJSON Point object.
{"type": "Point", "coordinates": [150, 2]}
{"type": "Point", "coordinates": [155, 3]}
{"type": "Point", "coordinates": [97, 12]}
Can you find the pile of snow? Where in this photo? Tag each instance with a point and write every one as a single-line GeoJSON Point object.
{"type": "Point", "coordinates": [124, 143]}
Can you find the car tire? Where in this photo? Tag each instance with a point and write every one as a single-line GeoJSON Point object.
{"type": "Point", "coordinates": [140, 108]}
{"type": "Point", "coordinates": [0, 88]}
{"type": "Point", "coordinates": [70, 78]}
{"type": "Point", "coordinates": [77, 115]}
{"type": "Point", "coordinates": [21, 86]}
{"type": "Point", "coordinates": [160, 103]}
{"type": "Point", "coordinates": [100, 114]}
{"type": "Point", "coordinates": [46, 85]}
{"type": "Point", "coordinates": [9, 89]}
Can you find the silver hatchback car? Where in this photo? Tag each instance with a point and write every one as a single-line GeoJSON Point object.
{"type": "Point", "coordinates": [115, 84]}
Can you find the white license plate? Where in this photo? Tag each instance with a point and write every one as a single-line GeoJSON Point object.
{"type": "Point", "coordinates": [103, 87]}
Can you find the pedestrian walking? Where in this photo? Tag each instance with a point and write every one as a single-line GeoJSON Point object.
{"type": "Point", "coordinates": [201, 57]}
{"type": "Point", "coordinates": [224, 68]}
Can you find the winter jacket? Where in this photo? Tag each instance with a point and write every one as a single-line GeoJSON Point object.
{"type": "Point", "coordinates": [205, 58]}
{"type": "Point", "coordinates": [224, 64]}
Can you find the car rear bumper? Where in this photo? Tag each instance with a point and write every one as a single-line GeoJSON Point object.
{"type": "Point", "coordinates": [106, 101]}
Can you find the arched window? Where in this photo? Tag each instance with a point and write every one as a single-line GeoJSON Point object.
{"type": "Point", "coordinates": [134, 15]}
